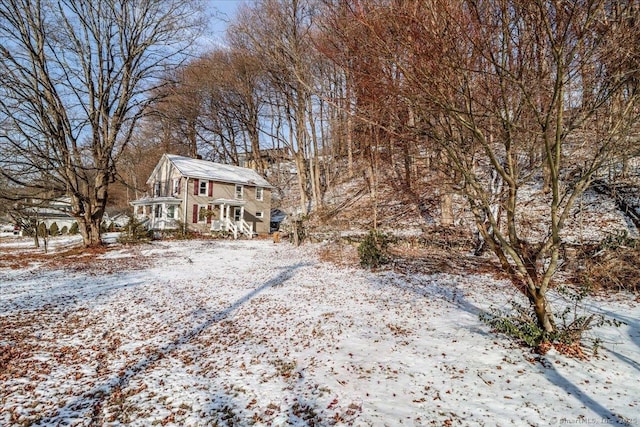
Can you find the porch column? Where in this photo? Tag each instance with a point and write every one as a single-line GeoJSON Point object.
{"type": "Point", "coordinates": [221, 216]}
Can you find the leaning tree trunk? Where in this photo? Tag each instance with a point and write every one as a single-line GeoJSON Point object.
{"type": "Point", "coordinates": [524, 275]}
{"type": "Point", "coordinates": [542, 309]}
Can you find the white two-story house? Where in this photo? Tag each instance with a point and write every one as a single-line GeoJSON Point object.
{"type": "Point", "coordinates": [204, 196]}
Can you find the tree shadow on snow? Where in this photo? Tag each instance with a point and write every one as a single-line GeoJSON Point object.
{"type": "Point", "coordinates": [625, 359]}
{"type": "Point", "coordinates": [633, 325]}
{"type": "Point", "coordinates": [91, 400]}
{"type": "Point", "coordinates": [62, 291]}
{"type": "Point", "coordinates": [557, 379]}
{"type": "Point", "coordinates": [444, 289]}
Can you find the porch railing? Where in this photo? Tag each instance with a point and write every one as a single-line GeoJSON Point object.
{"type": "Point", "coordinates": [163, 224]}
{"type": "Point", "coordinates": [234, 227]}
{"type": "Point", "coordinates": [246, 228]}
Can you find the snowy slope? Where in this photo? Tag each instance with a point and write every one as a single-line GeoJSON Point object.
{"type": "Point", "coordinates": [252, 333]}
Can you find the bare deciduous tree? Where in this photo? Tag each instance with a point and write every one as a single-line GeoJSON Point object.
{"type": "Point", "coordinates": [280, 33]}
{"type": "Point", "coordinates": [76, 78]}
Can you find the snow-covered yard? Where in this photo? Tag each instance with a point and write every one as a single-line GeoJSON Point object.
{"type": "Point", "coordinates": [255, 333]}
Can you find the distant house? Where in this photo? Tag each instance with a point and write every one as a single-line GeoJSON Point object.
{"type": "Point", "coordinates": [118, 220]}
{"type": "Point", "coordinates": [50, 211]}
{"type": "Point", "coordinates": [268, 157]}
{"type": "Point", "coordinates": [277, 216]}
{"type": "Point", "coordinates": [205, 196]}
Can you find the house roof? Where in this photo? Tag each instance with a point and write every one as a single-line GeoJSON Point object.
{"type": "Point", "coordinates": [203, 169]}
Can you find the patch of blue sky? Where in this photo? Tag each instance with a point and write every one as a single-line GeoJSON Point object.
{"type": "Point", "coordinates": [220, 13]}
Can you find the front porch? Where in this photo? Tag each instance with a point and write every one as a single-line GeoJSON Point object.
{"type": "Point", "coordinates": [231, 218]}
{"type": "Point", "coordinates": [159, 213]}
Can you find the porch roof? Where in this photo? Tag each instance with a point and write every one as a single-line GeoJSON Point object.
{"type": "Point", "coordinates": [145, 201]}
{"type": "Point", "coordinates": [230, 202]}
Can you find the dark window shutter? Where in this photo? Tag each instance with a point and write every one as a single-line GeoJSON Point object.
{"type": "Point", "coordinates": [210, 189]}
{"type": "Point", "coordinates": [209, 212]}
{"type": "Point", "coordinates": [196, 185]}
{"type": "Point", "coordinates": [195, 214]}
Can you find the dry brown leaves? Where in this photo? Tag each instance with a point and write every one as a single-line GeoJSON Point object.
{"type": "Point", "coordinates": [613, 270]}
{"type": "Point", "coordinates": [573, 350]}
{"type": "Point", "coordinates": [342, 254]}
{"type": "Point", "coordinates": [433, 260]}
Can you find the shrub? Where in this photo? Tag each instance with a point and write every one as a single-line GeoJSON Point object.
{"type": "Point", "coordinates": [42, 229]}
{"type": "Point", "coordinates": [618, 240]}
{"type": "Point", "coordinates": [572, 324]}
{"type": "Point", "coordinates": [135, 232]}
{"type": "Point", "coordinates": [181, 232]}
{"type": "Point", "coordinates": [74, 229]}
{"type": "Point", "coordinates": [516, 323]}
{"type": "Point", "coordinates": [64, 230]}
{"type": "Point", "coordinates": [373, 250]}
{"type": "Point", "coordinates": [53, 229]}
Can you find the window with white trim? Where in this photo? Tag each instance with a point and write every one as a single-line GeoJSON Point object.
{"type": "Point", "coordinates": [157, 211]}
{"type": "Point", "coordinates": [259, 193]}
{"type": "Point", "coordinates": [176, 186]}
{"type": "Point", "coordinates": [236, 214]}
{"type": "Point", "coordinates": [156, 189]}
{"type": "Point", "coordinates": [202, 213]}
{"type": "Point", "coordinates": [171, 211]}
{"type": "Point", "coordinates": [239, 191]}
{"type": "Point", "coordinates": [203, 188]}
{"type": "Point", "coordinates": [259, 214]}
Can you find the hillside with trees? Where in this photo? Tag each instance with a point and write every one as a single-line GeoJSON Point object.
{"type": "Point", "coordinates": [492, 118]}
{"type": "Point", "coordinates": [442, 109]}
{"type": "Point", "coordinates": [451, 171]}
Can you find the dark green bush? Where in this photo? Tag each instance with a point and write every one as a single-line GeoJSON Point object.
{"type": "Point", "coordinates": [373, 250]}
{"type": "Point", "coordinates": [572, 323]}
{"type": "Point", "coordinates": [181, 232]}
{"type": "Point", "coordinates": [517, 323]}
{"type": "Point", "coordinates": [53, 229]}
{"type": "Point", "coordinates": [64, 230]}
{"type": "Point", "coordinates": [135, 232]}
{"type": "Point", "coordinates": [74, 229]}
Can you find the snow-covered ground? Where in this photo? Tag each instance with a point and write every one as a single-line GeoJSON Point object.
{"type": "Point", "coordinates": [201, 333]}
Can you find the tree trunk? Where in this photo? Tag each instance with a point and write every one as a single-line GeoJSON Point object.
{"type": "Point", "coordinates": [543, 311]}
{"type": "Point", "coordinates": [446, 206]}
{"type": "Point", "coordinates": [88, 214]}
{"type": "Point", "coordinates": [349, 123]}
{"type": "Point", "coordinates": [36, 240]}
{"type": "Point", "coordinates": [303, 180]}
{"type": "Point", "coordinates": [45, 239]}
{"type": "Point", "coordinates": [254, 139]}
{"type": "Point", "coordinates": [90, 231]}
